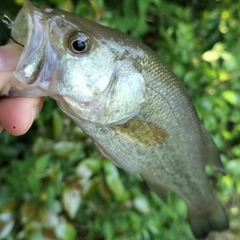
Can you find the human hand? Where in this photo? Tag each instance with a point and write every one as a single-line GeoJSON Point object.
{"type": "Point", "coordinates": [16, 114]}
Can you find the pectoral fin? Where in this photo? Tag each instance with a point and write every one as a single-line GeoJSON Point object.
{"type": "Point", "coordinates": [142, 132]}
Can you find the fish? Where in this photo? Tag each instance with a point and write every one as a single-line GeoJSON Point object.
{"type": "Point", "coordinates": [118, 91]}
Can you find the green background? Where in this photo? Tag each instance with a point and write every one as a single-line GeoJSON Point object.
{"type": "Point", "coordinates": [54, 183]}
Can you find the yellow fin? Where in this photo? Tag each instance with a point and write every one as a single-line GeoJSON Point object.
{"type": "Point", "coordinates": [142, 132]}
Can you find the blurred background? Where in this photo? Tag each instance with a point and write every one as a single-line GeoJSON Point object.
{"type": "Point", "coordinates": [54, 183]}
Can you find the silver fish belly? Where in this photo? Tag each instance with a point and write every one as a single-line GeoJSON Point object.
{"type": "Point", "coordinates": [133, 107]}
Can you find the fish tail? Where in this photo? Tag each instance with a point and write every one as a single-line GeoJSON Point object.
{"type": "Point", "coordinates": [202, 223]}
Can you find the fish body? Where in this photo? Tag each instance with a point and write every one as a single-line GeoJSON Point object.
{"type": "Point", "coordinates": [127, 100]}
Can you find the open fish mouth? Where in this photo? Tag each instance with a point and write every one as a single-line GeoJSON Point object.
{"type": "Point", "coordinates": [33, 71]}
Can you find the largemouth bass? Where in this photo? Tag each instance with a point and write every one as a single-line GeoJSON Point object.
{"type": "Point", "coordinates": [130, 103]}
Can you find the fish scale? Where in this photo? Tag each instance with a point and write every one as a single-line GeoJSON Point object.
{"type": "Point", "coordinates": [131, 104]}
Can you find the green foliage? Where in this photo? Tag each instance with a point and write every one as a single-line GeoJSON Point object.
{"type": "Point", "coordinates": [54, 184]}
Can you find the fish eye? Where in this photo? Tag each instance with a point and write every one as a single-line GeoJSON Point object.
{"type": "Point", "coordinates": [79, 43]}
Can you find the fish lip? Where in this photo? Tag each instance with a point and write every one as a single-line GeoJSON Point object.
{"type": "Point", "coordinates": [30, 68]}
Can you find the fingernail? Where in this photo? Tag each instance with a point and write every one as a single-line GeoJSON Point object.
{"type": "Point", "coordinates": [35, 112]}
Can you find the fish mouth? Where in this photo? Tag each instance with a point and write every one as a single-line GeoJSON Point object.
{"type": "Point", "coordinates": [33, 71]}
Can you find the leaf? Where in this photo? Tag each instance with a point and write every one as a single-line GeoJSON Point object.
{"type": "Point", "coordinates": [49, 234]}
{"type": "Point", "coordinates": [71, 198]}
{"type": "Point", "coordinates": [57, 124]}
{"type": "Point", "coordinates": [63, 148]}
{"type": "Point", "coordinates": [33, 182]}
{"type": "Point", "coordinates": [214, 54]}
{"type": "Point", "coordinates": [6, 224]}
{"type": "Point", "coordinates": [5, 194]}
{"type": "Point", "coordinates": [113, 180]}
{"type": "Point", "coordinates": [236, 150]}
{"type": "Point", "coordinates": [91, 186]}
{"type": "Point", "coordinates": [228, 183]}
{"type": "Point", "coordinates": [211, 56]}
{"type": "Point", "coordinates": [49, 194]}
{"type": "Point", "coordinates": [66, 231]}
{"type": "Point", "coordinates": [232, 97]}
{"type": "Point", "coordinates": [28, 211]}
{"type": "Point", "coordinates": [41, 163]}
{"type": "Point", "coordinates": [42, 145]}
{"type": "Point", "coordinates": [83, 171]}
{"type": "Point", "coordinates": [35, 235]}
{"type": "Point", "coordinates": [141, 204]}
{"type": "Point", "coordinates": [55, 206]}
{"type": "Point", "coordinates": [47, 218]}
{"type": "Point", "coordinates": [93, 163]}
{"type": "Point", "coordinates": [233, 168]}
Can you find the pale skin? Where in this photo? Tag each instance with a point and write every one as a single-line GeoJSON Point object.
{"type": "Point", "coordinates": [16, 114]}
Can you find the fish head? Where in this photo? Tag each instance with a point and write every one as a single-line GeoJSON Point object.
{"type": "Point", "coordinates": [87, 68]}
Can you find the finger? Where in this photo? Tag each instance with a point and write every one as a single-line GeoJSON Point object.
{"type": "Point", "coordinates": [18, 114]}
{"type": "Point", "coordinates": [9, 57]}
{"type": "Point", "coordinates": [5, 78]}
